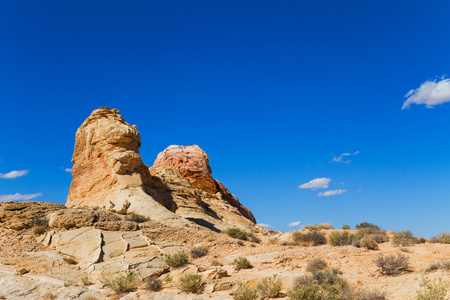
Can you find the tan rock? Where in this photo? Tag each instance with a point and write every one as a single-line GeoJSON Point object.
{"type": "Point", "coordinates": [108, 171]}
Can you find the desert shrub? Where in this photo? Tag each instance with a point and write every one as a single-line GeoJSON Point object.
{"type": "Point", "coordinates": [198, 252]}
{"type": "Point", "coordinates": [439, 265]}
{"type": "Point", "coordinates": [405, 238]}
{"type": "Point", "coordinates": [85, 280]}
{"type": "Point", "coordinates": [433, 240]}
{"type": "Point", "coordinates": [253, 238]}
{"type": "Point", "coordinates": [391, 264]}
{"type": "Point", "coordinates": [370, 295]}
{"type": "Point", "coordinates": [330, 277]}
{"type": "Point", "coordinates": [341, 239]}
{"type": "Point", "coordinates": [325, 225]}
{"type": "Point", "coordinates": [135, 217]}
{"type": "Point", "coordinates": [422, 240]}
{"type": "Point", "coordinates": [121, 284]}
{"type": "Point", "coordinates": [367, 225]}
{"type": "Point", "coordinates": [40, 229]}
{"type": "Point", "coordinates": [242, 263]}
{"type": "Point", "coordinates": [192, 283]}
{"type": "Point", "coordinates": [49, 296]}
{"type": "Point", "coordinates": [269, 287]}
{"type": "Point", "coordinates": [312, 227]}
{"type": "Point", "coordinates": [444, 238]}
{"type": "Point", "coordinates": [70, 260]}
{"type": "Point", "coordinates": [379, 234]}
{"type": "Point", "coordinates": [431, 290]}
{"type": "Point", "coordinates": [369, 242]}
{"type": "Point", "coordinates": [236, 233]}
{"type": "Point", "coordinates": [306, 292]}
{"type": "Point", "coordinates": [312, 238]}
{"type": "Point", "coordinates": [177, 259]}
{"type": "Point", "coordinates": [215, 262]}
{"type": "Point", "coordinates": [153, 284]}
{"type": "Point", "coordinates": [316, 265]}
{"type": "Point", "coordinates": [346, 227]}
{"type": "Point", "coordinates": [245, 293]}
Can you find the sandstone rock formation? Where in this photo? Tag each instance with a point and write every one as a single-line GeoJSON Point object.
{"type": "Point", "coordinates": [108, 172]}
{"type": "Point", "coordinates": [193, 164]}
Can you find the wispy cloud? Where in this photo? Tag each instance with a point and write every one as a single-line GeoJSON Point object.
{"type": "Point", "coordinates": [68, 170]}
{"type": "Point", "coordinates": [318, 183]}
{"type": "Point", "coordinates": [14, 174]}
{"type": "Point", "coordinates": [294, 224]}
{"type": "Point", "coordinates": [266, 226]}
{"type": "Point", "coordinates": [430, 93]}
{"type": "Point", "coordinates": [331, 193]}
{"type": "Point", "coordinates": [341, 158]}
{"type": "Point", "coordinates": [18, 197]}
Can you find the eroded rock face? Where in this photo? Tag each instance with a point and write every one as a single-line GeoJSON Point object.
{"type": "Point", "coordinates": [108, 170]}
{"type": "Point", "coordinates": [193, 164]}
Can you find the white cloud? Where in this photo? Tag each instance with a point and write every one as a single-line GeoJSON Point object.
{"type": "Point", "coordinates": [14, 174]}
{"type": "Point", "coordinates": [294, 224]}
{"type": "Point", "coordinates": [18, 197]}
{"type": "Point", "coordinates": [340, 158]}
{"type": "Point", "coordinates": [68, 170]}
{"type": "Point", "coordinates": [430, 93]}
{"type": "Point", "coordinates": [331, 193]}
{"type": "Point", "coordinates": [318, 183]}
{"type": "Point", "coordinates": [266, 226]}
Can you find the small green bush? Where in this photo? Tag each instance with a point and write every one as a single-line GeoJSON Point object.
{"type": "Point", "coordinates": [367, 225]}
{"type": "Point", "coordinates": [121, 284]}
{"type": "Point", "coordinates": [198, 252]}
{"type": "Point", "coordinates": [85, 280]}
{"type": "Point", "coordinates": [245, 293]}
{"type": "Point", "coordinates": [242, 263]}
{"type": "Point", "coordinates": [405, 238]}
{"type": "Point", "coordinates": [269, 287]}
{"type": "Point", "coordinates": [432, 290]}
{"type": "Point", "coordinates": [312, 227]}
{"type": "Point", "coordinates": [315, 238]}
{"type": "Point", "coordinates": [346, 227]}
{"type": "Point", "coordinates": [253, 238]}
{"type": "Point", "coordinates": [236, 233]}
{"type": "Point", "coordinates": [392, 265]}
{"type": "Point", "coordinates": [316, 265]}
{"type": "Point", "coordinates": [192, 283]}
{"type": "Point", "coordinates": [153, 284]}
{"type": "Point", "coordinates": [439, 265]}
{"type": "Point", "coordinates": [369, 242]}
{"type": "Point", "coordinates": [370, 295]}
{"type": "Point", "coordinates": [135, 217]}
{"type": "Point", "coordinates": [306, 292]}
{"type": "Point", "coordinates": [444, 238]}
{"type": "Point", "coordinates": [176, 260]}
{"type": "Point", "coordinates": [341, 239]}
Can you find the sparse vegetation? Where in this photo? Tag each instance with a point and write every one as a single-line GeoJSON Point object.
{"type": "Point", "coordinates": [316, 265]}
{"type": "Point", "coordinates": [341, 239]}
{"type": "Point", "coordinates": [49, 296]}
{"type": "Point", "coordinates": [192, 283]}
{"type": "Point", "coordinates": [176, 260]}
{"type": "Point", "coordinates": [40, 229]}
{"type": "Point", "coordinates": [121, 284]}
{"type": "Point", "coordinates": [269, 287]}
{"type": "Point", "coordinates": [307, 292]}
{"type": "Point", "coordinates": [405, 238]}
{"type": "Point", "coordinates": [367, 225]}
{"type": "Point", "coordinates": [253, 238]}
{"type": "Point", "coordinates": [236, 233]}
{"type": "Point", "coordinates": [85, 280]}
{"type": "Point", "coordinates": [245, 293]}
{"type": "Point", "coordinates": [70, 260]}
{"type": "Point", "coordinates": [135, 217]}
{"type": "Point", "coordinates": [369, 242]}
{"type": "Point", "coordinates": [346, 227]}
{"type": "Point", "coordinates": [198, 252]}
{"type": "Point", "coordinates": [444, 238]}
{"type": "Point", "coordinates": [431, 290]}
{"type": "Point", "coordinates": [370, 295]}
{"type": "Point", "coordinates": [392, 265]}
{"type": "Point", "coordinates": [439, 265]}
{"type": "Point", "coordinates": [215, 262]}
{"type": "Point", "coordinates": [309, 238]}
{"type": "Point", "coordinates": [153, 284]}
{"type": "Point", "coordinates": [312, 227]}
{"type": "Point", "coordinates": [39, 224]}
{"type": "Point", "coordinates": [242, 263]}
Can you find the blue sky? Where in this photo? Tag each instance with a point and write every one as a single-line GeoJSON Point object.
{"type": "Point", "coordinates": [271, 90]}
